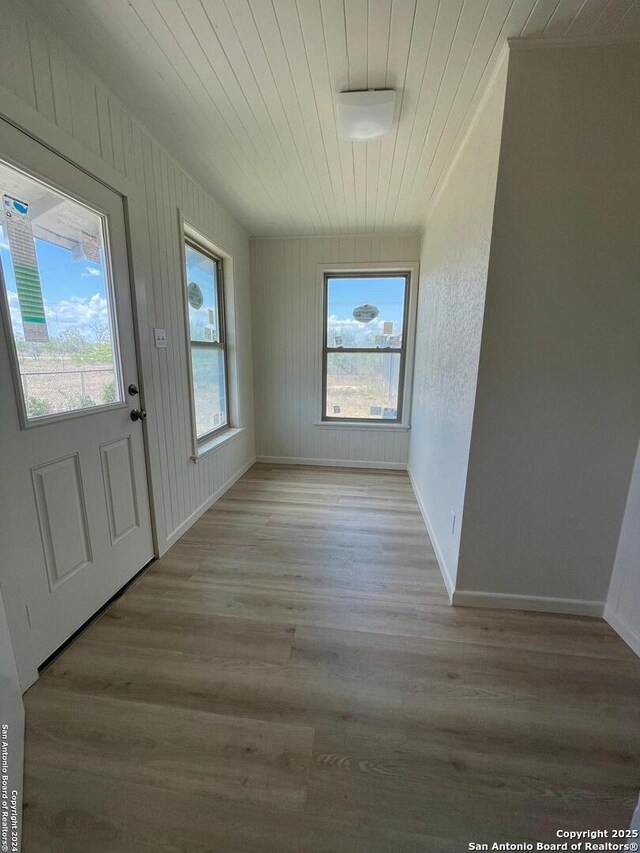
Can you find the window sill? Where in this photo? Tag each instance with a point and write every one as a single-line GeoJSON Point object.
{"type": "Point", "coordinates": [360, 425]}
{"type": "Point", "coordinates": [214, 443]}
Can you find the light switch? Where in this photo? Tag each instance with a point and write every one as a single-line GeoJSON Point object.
{"type": "Point", "coordinates": [160, 337]}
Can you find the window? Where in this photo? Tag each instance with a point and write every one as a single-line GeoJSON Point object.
{"type": "Point", "coordinates": [207, 338]}
{"type": "Point", "coordinates": [58, 299]}
{"type": "Point", "coordinates": [365, 325]}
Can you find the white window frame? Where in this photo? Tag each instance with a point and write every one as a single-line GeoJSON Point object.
{"type": "Point", "coordinates": [212, 440]}
{"type": "Point", "coordinates": [408, 268]}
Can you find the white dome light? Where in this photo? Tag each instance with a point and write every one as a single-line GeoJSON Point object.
{"type": "Point", "coordinates": [365, 115]}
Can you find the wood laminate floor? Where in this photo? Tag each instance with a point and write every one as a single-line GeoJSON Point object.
{"type": "Point", "coordinates": [291, 678]}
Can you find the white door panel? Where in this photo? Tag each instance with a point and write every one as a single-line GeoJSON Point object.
{"type": "Point", "coordinates": [120, 491]}
{"type": "Point", "coordinates": [64, 530]}
{"type": "Point", "coordinates": [73, 494]}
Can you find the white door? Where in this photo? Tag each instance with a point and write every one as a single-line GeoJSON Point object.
{"type": "Point", "coordinates": [74, 504]}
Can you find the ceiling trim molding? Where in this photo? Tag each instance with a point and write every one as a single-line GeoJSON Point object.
{"type": "Point", "coordinates": [455, 156]}
{"type": "Point", "coordinates": [365, 235]}
{"type": "Point", "coordinates": [516, 44]}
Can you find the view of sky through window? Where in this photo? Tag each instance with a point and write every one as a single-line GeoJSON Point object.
{"type": "Point", "coordinates": [74, 293]}
{"type": "Point", "coordinates": [69, 363]}
{"type": "Point", "coordinates": [345, 294]}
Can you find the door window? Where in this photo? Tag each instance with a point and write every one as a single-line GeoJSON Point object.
{"type": "Point", "coordinates": [58, 299]}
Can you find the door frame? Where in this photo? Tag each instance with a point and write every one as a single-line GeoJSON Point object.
{"type": "Point", "coordinates": [20, 116]}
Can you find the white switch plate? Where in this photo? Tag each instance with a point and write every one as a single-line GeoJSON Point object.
{"type": "Point", "coordinates": [160, 338]}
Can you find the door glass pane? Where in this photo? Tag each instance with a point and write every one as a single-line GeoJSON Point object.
{"type": "Point", "coordinates": [363, 385]}
{"type": "Point", "coordinates": [202, 296]}
{"type": "Point", "coordinates": [207, 364]}
{"type": "Point", "coordinates": [365, 312]}
{"type": "Point", "coordinates": [59, 296]}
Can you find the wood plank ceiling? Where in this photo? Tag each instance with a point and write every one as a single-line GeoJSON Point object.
{"type": "Point", "coordinates": [242, 92]}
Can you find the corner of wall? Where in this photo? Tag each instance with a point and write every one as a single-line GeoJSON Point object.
{"type": "Point", "coordinates": [622, 609]}
{"type": "Point", "coordinates": [556, 414]}
{"type": "Point", "coordinates": [447, 576]}
{"type": "Point", "coordinates": [456, 240]}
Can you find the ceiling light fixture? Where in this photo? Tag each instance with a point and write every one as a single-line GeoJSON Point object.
{"type": "Point", "coordinates": [361, 116]}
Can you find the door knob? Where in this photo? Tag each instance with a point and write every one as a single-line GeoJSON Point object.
{"type": "Point", "coordinates": [138, 414]}
{"type": "Point", "coordinates": [132, 389]}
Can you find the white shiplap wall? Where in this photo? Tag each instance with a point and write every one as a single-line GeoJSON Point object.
{"type": "Point", "coordinates": [44, 86]}
{"type": "Point", "coordinates": [287, 337]}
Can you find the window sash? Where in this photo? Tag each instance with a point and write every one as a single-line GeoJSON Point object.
{"type": "Point", "coordinates": [220, 345]}
{"type": "Point", "coordinates": [401, 351]}
{"type": "Point", "coordinates": [219, 292]}
{"type": "Point", "coordinates": [356, 350]}
{"type": "Point", "coordinates": [207, 345]}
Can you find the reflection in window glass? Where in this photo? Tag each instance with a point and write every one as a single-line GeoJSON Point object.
{"type": "Point", "coordinates": [202, 296]}
{"type": "Point", "coordinates": [209, 391]}
{"type": "Point", "coordinates": [205, 307]}
{"type": "Point", "coordinates": [52, 253]}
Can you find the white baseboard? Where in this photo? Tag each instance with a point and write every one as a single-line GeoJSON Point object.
{"type": "Point", "coordinates": [540, 603]}
{"type": "Point", "coordinates": [505, 601]}
{"type": "Point", "coordinates": [332, 463]}
{"type": "Point", "coordinates": [195, 515]}
{"type": "Point", "coordinates": [629, 634]}
{"type": "Point", "coordinates": [444, 570]}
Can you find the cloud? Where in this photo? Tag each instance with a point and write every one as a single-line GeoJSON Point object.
{"type": "Point", "coordinates": [351, 321]}
{"type": "Point", "coordinates": [79, 309]}
{"type": "Point", "coordinates": [77, 312]}
{"type": "Point", "coordinates": [14, 309]}
{"type": "Point", "coordinates": [91, 271]}
{"type": "Point", "coordinates": [349, 324]}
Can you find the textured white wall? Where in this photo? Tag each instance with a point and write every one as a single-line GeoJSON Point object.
{"type": "Point", "coordinates": [453, 276]}
{"type": "Point", "coordinates": [287, 339]}
{"type": "Point", "coordinates": [43, 83]}
{"type": "Point", "coordinates": [623, 600]}
{"type": "Point", "coordinates": [557, 413]}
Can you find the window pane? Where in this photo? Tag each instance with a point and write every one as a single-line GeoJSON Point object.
{"type": "Point", "coordinates": [365, 312]}
{"type": "Point", "coordinates": [52, 251]}
{"type": "Point", "coordinates": [363, 385]}
{"type": "Point", "coordinates": [202, 296]}
{"type": "Point", "coordinates": [209, 395]}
